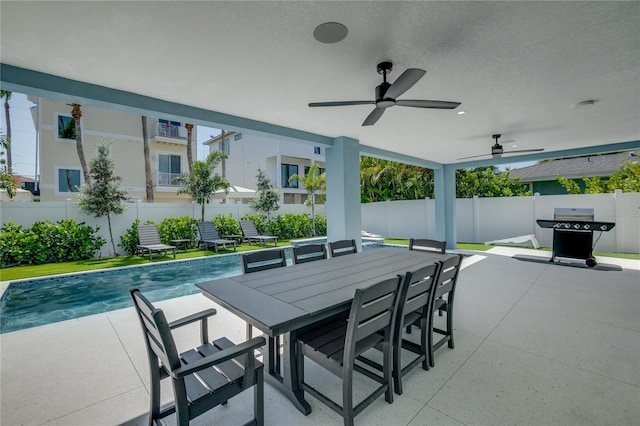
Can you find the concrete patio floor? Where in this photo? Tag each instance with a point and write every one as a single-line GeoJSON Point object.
{"type": "Point", "coordinates": [536, 344]}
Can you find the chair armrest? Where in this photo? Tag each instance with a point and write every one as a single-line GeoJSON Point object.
{"type": "Point", "coordinates": [224, 355]}
{"type": "Point", "coordinates": [192, 318]}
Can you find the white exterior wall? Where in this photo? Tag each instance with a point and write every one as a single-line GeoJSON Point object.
{"type": "Point", "coordinates": [253, 152]}
{"type": "Point", "coordinates": [123, 132]}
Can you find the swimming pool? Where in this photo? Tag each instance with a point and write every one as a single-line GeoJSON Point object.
{"type": "Point", "coordinates": [30, 303]}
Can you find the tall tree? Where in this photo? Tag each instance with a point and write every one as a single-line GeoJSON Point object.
{"type": "Point", "coordinates": [223, 164]}
{"type": "Point", "coordinates": [148, 180]}
{"type": "Point", "coordinates": [485, 182]}
{"type": "Point", "coordinates": [6, 95]}
{"type": "Point", "coordinates": [313, 182]}
{"type": "Point", "coordinates": [104, 197]}
{"type": "Point", "coordinates": [189, 128]}
{"type": "Point", "coordinates": [76, 113]}
{"type": "Point", "coordinates": [267, 200]}
{"type": "Point", "coordinates": [203, 182]}
{"type": "Point", "coordinates": [626, 178]}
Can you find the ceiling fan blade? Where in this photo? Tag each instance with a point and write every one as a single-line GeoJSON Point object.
{"type": "Point", "coordinates": [340, 103]}
{"type": "Point", "coordinates": [524, 150]}
{"type": "Point", "coordinates": [427, 104]}
{"type": "Point", "coordinates": [473, 156]}
{"type": "Point", "coordinates": [404, 82]}
{"type": "Point", "coordinates": [374, 116]}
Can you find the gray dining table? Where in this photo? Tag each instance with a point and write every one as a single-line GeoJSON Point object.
{"type": "Point", "coordinates": [283, 300]}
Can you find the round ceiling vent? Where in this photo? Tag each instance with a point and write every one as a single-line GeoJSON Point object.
{"type": "Point", "coordinates": [330, 32]}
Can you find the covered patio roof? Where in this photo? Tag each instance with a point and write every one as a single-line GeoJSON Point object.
{"type": "Point", "coordinates": [521, 69]}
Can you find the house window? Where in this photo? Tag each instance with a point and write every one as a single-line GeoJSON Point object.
{"type": "Point", "coordinates": [169, 168]}
{"type": "Point", "coordinates": [237, 136]}
{"type": "Point", "coordinates": [316, 150]}
{"type": "Point", "coordinates": [286, 171]}
{"type": "Point", "coordinates": [68, 180]}
{"type": "Point", "coordinates": [321, 170]}
{"type": "Point", "coordinates": [224, 146]}
{"type": "Point", "coordinates": [66, 127]}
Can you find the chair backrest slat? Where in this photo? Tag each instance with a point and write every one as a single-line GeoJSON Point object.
{"type": "Point", "coordinates": [372, 310]}
{"type": "Point", "coordinates": [342, 247]}
{"type": "Point", "coordinates": [427, 245]}
{"type": "Point", "coordinates": [248, 228]}
{"type": "Point", "coordinates": [208, 231]}
{"type": "Point", "coordinates": [157, 333]}
{"type": "Point", "coordinates": [309, 253]}
{"type": "Point", "coordinates": [262, 260]}
{"type": "Point", "coordinates": [417, 290]}
{"type": "Point", "coordinates": [148, 235]}
{"type": "Point", "coordinates": [448, 275]}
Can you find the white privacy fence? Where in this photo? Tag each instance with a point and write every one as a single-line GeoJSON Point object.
{"type": "Point", "coordinates": [486, 219]}
{"type": "Point", "coordinates": [477, 219]}
{"type": "Point", "coordinates": [26, 214]}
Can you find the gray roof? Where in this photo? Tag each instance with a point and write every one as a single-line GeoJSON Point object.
{"type": "Point", "coordinates": [595, 165]}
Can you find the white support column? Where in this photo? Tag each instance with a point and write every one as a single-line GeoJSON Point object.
{"type": "Point", "coordinates": [343, 190]}
{"type": "Point", "coordinates": [445, 196]}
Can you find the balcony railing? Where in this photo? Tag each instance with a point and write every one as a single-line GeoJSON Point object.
{"type": "Point", "coordinates": [168, 131]}
{"type": "Point", "coordinates": [168, 179]}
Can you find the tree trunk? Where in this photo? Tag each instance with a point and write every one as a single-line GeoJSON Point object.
{"type": "Point", "coordinates": [189, 146]}
{"type": "Point", "coordinates": [202, 212]}
{"type": "Point", "coordinates": [8, 121]}
{"type": "Point", "coordinates": [76, 113]}
{"type": "Point", "coordinates": [313, 213]}
{"type": "Point", "coordinates": [223, 163]}
{"type": "Point", "coordinates": [147, 162]}
{"type": "Point", "coordinates": [111, 235]}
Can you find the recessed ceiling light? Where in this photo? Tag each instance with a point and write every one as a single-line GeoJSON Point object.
{"type": "Point", "coordinates": [586, 103]}
{"type": "Point", "coordinates": [330, 32]}
{"type": "Point", "coordinates": [462, 112]}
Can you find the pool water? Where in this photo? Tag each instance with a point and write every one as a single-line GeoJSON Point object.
{"type": "Point", "coordinates": [37, 302]}
{"type": "Point", "coordinates": [31, 303]}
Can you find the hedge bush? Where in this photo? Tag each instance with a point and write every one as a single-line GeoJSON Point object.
{"type": "Point", "coordinates": [227, 225]}
{"type": "Point", "coordinates": [178, 228]}
{"type": "Point", "coordinates": [46, 242]}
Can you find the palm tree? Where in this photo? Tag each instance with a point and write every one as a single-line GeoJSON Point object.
{"type": "Point", "coordinates": [189, 128]}
{"type": "Point", "coordinates": [313, 182]}
{"type": "Point", "coordinates": [6, 95]}
{"type": "Point", "coordinates": [148, 180]}
{"type": "Point", "coordinates": [203, 182]}
{"type": "Point", "coordinates": [76, 113]}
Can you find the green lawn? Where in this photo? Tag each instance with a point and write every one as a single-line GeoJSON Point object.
{"type": "Point", "coordinates": [20, 272]}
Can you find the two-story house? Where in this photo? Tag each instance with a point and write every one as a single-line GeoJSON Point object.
{"type": "Point", "coordinates": [60, 170]}
{"type": "Point", "coordinates": [280, 159]}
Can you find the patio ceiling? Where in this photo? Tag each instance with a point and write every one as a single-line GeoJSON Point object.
{"type": "Point", "coordinates": [517, 67]}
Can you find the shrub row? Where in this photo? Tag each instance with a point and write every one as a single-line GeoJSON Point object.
{"type": "Point", "coordinates": [46, 242]}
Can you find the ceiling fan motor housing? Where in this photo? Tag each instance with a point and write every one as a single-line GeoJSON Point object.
{"type": "Point", "coordinates": [497, 149]}
{"type": "Point", "coordinates": [381, 101]}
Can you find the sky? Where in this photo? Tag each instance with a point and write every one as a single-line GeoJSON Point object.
{"type": "Point", "coordinates": [23, 135]}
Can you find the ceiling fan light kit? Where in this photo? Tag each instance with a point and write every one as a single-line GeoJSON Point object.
{"type": "Point", "coordinates": [497, 150]}
{"type": "Point", "coordinates": [386, 94]}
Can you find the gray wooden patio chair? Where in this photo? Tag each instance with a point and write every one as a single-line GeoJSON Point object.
{"type": "Point", "coordinates": [250, 233]}
{"type": "Point", "coordinates": [309, 253]}
{"type": "Point", "coordinates": [342, 247]}
{"type": "Point", "coordinates": [149, 241]}
{"type": "Point", "coordinates": [202, 378]}
{"type": "Point", "coordinates": [261, 261]}
{"type": "Point", "coordinates": [335, 346]}
{"type": "Point", "coordinates": [209, 237]}
{"type": "Point", "coordinates": [415, 305]}
{"type": "Point", "coordinates": [427, 245]}
{"type": "Point", "coordinates": [444, 297]}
